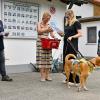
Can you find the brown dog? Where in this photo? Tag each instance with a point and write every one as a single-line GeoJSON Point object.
{"type": "Point", "coordinates": [81, 67]}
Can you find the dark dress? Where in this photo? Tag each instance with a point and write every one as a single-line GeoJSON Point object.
{"type": "Point", "coordinates": [67, 48]}
{"type": "Point", "coordinates": [98, 50]}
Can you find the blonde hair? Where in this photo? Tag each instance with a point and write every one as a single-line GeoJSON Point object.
{"type": "Point", "coordinates": [45, 15]}
{"type": "Point", "coordinates": [71, 14]}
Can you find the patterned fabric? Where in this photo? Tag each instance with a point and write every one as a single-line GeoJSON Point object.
{"type": "Point", "coordinates": [43, 56]}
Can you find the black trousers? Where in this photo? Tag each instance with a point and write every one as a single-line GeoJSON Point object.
{"type": "Point", "coordinates": [67, 49]}
{"type": "Point", "coordinates": [71, 78]}
{"type": "Point", "coordinates": [2, 63]}
{"type": "Point", "coordinates": [98, 51]}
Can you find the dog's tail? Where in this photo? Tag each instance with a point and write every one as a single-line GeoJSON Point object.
{"type": "Point", "coordinates": [70, 56]}
{"type": "Point", "coordinates": [68, 62]}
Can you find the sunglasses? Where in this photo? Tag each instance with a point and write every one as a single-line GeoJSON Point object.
{"type": "Point", "coordinates": [66, 16]}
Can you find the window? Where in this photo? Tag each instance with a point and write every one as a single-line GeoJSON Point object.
{"type": "Point", "coordinates": [91, 34]}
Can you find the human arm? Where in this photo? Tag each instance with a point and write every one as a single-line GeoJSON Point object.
{"type": "Point", "coordinates": [41, 29]}
{"type": "Point", "coordinates": [78, 31]}
{"type": "Point", "coordinates": [1, 29]}
{"type": "Point", "coordinates": [52, 34]}
{"type": "Point", "coordinates": [2, 33]}
{"type": "Point", "coordinates": [61, 33]}
{"type": "Point", "coordinates": [79, 34]}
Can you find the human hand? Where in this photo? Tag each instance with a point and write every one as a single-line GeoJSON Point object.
{"type": "Point", "coordinates": [61, 34]}
{"type": "Point", "coordinates": [6, 34]}
{"type": "Point", "coordinates": [70, 38]}
{"type": "Point", "coordinates": [49, 29]}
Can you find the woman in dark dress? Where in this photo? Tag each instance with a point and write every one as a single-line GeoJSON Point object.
{"type": "Point", "coordinates": [72, 32]}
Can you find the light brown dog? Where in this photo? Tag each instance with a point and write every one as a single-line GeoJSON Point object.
{"type": "Point", "coordinates": [80, 67]}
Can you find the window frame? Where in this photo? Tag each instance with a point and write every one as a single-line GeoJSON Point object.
{"type": "Point", "coordinates": [88, 28]}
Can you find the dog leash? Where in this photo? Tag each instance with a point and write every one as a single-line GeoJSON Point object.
{"type": "Point", "coordinates": [77, 51]}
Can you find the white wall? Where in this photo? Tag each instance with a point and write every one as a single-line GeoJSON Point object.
{"type": "Point", "coordinates": [20, 51]}
{"type": "Point", "coordinates": [85, 10]}
{"type": "Point", "coordinates": [59, 14]}
{"type": "Point", "coordinates": [88, 49]}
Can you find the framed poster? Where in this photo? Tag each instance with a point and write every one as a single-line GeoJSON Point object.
{"type": "Point", "coordinates": [20, 19]}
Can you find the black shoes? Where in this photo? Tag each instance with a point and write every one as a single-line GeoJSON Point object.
{"type": "Point", "coordinates": [6, 78]}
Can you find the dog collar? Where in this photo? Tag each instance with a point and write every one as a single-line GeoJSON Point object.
{"type": "Point", "coordinates": [92, 63]}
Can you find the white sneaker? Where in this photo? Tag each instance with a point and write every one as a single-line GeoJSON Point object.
{"type": "Point", "coordinates": [42, 80]}
{"type": "Point", "coordinates": [77, 85]}
{"type": "Point", "coordinates": [49, 79]}
{"type": "Point", "coordinates": [64, 81]}
{"type": "Point", "coordinates": [71, 84]}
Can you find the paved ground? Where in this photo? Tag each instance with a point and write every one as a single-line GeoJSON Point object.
{"type": "Point", "coordinates": [27, 86]}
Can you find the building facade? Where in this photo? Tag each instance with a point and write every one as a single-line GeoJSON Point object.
{"type": "Point", "coordinates": [20, 18]}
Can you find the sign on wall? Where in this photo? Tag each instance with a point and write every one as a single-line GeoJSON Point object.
{"type": "Point", "coordinates": [20, 19]}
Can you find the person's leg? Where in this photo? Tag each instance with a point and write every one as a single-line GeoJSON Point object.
{"type": "Point", "coordinates": [64, 55]}
{"type": "Point", "coordinates": [42, 71]}
{"type": "Point", "coordinates": [2, 64]}
{"type": "Point", "coordinates": [48, 78]}
{"type": "Point", "coordinates": [2, 67]}
{"type": "Point", "coordinates": [65, 52]}
{"type": "Point", "coordinates": [71, 79]}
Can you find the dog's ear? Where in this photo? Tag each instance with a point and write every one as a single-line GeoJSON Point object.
{"type": "Point", "coordinates": [95, 61]}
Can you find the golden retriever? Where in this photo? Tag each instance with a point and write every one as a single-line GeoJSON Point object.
{"type": "Point", "coordinates": [80, 67]}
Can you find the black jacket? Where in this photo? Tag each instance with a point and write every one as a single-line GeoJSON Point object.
{"type": "Point", "coordinates": [1, 36]}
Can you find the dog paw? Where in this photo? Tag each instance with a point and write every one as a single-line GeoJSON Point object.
{"type": "Point", "coordinates": [68, 86]}
{"type": "Point", "coordinates": [79, 89]}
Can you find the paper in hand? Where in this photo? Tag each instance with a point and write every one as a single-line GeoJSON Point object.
{"type": "Point", "coordinates": [4, 33]}
{"type": "Point", "coordinates": [53, 25]}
